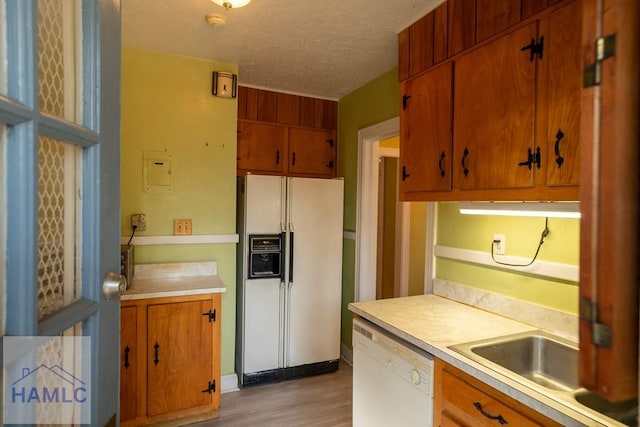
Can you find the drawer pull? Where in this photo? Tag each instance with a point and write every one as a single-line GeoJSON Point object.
{"type": "Point", "coordinates": [498, 418]}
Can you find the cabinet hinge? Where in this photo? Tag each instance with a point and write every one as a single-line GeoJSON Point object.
{"type": "Point", "coordinates": [605, 48]}
{"type": "Point", "coordinates": [534, 48]}
{"type": "Point", "coordinates": [600, 333]}
{"type": "Point", "coordinates": [211, 315]}
{"type": "Point", "coordinates": [211, 387]}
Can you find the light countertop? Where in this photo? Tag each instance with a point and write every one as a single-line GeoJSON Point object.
{"type": "Point", "coordinates": [170, 280]}
{"type": "Point", "coordinates": [434, 323]}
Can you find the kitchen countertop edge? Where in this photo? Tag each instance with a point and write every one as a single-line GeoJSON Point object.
{"type": "Point", "coordinates": [172, 287]}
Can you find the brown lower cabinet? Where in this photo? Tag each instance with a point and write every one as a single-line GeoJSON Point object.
{"type": "Point", "coordinates": [170, 359]}
{"type": "Point", "coordinates": [463, 401]}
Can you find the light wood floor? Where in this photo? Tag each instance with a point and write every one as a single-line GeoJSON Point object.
{"type": "Point", "coordinates": [323, 400]}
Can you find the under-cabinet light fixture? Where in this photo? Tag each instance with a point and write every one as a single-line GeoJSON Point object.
{"type": "Point", "coordinates": [536, 209]}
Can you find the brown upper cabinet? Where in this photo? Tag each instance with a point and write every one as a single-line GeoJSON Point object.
{"type": "Point", "coordinates": [494, 115]}
{"type": "Point", "coordinates": [563, 88]}
{"type": "Point", "coordinates": [285, 134]}
{"type": "Point", "coordinates": [425, 151]}
{"type": "Point", "coordinates": [516, 107]}
{"type": "Point", "coordinates": [462, 25]}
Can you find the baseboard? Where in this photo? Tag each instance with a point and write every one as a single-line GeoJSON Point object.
{"type": "Point", "coordinates": [346, 353]}
{"type": "Point", "coordinates": [229, 383]}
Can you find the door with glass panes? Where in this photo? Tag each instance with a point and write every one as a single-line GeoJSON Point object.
{"type": "Point", "coordinates": [60, 186]}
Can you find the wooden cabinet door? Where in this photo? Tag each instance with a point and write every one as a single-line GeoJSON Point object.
{"type": "Point", "coordinates": [610, 206]}
{"type": "Point", "coordinates": [128, 363]}
{"type": "Point", "coordinates": [261, 147]}
{"type": "Point", "coordinates": [563, 65]}
{"type": "Point", "coordinates": [494, 94]}
{"type": "Point", "coordinates": [179, 356]}
{"type": "Point", "coordinates": [425, 132]}
{"type": "Point", "coordinates": [493, 16]}
{"type": "Point", "coordinates": [312, 152]}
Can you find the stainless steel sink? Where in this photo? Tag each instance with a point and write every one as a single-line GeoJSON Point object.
{"type": "Point", "coordinates": [536, 356]}
{"type": "Point", "coordinates": [547, 363]}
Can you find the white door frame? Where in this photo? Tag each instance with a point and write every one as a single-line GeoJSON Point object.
{"type": "Point", "coordinates": [369, 154]}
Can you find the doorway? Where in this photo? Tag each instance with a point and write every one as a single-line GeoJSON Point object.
{"type": "Point", "coordinates": [419, 246]}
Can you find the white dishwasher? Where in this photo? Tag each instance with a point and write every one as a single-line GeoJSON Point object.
{"type": "Point", "coordinates": [392, 380]}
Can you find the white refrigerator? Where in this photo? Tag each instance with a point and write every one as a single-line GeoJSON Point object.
{"type": "Point", "coordinates": [289, 277]}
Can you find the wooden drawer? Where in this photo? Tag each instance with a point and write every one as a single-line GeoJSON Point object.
{"type": "Point", "coordinates": [470, 400]}
{"type": "Point", "coordinates": [460, 400]}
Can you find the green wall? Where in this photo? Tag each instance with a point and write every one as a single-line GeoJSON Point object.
{"type": "Point", "coordinates": [522, 236]}
{"type": "Point", "coordinates": [167, 106]}
{"type": "Point", "coordinates": [373, 103]}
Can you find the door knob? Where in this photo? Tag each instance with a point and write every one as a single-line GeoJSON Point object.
{"type": "Point", "coordinates": [114, 285]}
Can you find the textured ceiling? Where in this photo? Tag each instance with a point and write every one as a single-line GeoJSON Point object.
{"type": "Point", "coordinates": [322, 48]}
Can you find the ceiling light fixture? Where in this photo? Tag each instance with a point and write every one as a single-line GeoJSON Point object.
{"type": "Point", "coordinates": [216, 19]}
{"type": "Point", "coordinates": [539, 209]}
{"type": "Point", "coordinates": [229, 4]}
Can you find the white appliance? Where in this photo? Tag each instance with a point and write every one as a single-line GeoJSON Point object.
{"type": "Point", "coordinates": [392, 380]}
{"type": "Point", "coordinates": [288, 316]}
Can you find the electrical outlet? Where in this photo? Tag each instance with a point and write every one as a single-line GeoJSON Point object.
{"type": "Point", "coordinates": [499, 244]}
{"type": "Point", "coordinates": [182, 227]}
{"type": "Point", "coordinates": [139, 221]}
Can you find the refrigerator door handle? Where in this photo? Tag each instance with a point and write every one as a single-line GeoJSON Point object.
{"type": "Point", "coordinates": [283, 207]}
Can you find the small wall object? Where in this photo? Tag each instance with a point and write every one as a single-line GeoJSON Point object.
{"type": "Point", "coordinates": [224, 85]}
{"type": "Point", "coordinates": [157, 172]}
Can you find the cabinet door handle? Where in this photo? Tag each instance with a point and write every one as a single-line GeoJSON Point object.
{"type": "Point", "coordinates": [405, 175]}
{"type": "Point", "coordinates": [465, 154]}
{"type": "Point", "coordinates": [441, 164]}
{"type": "Point", "coordinates": [293, 159]}
{"type": "Point", "coordinates": [277, 157]}
{"type": "Point", "coordinates": [559, 158]}
{"type": "Point", "coordinates": [330, 142]}
{"type": "Point", "coordinates": [126, 357]}
{"type": "Point", "coordinates": [330, 164]}
{"type": "Point", "coordinates": [156, 360]}
{"type": "Point", "coordinates": [498, 418]}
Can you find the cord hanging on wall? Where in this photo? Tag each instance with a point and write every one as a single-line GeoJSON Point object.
{"type": "Point", "coordinates": [544, 234]}
{"type": "Point", "coordinates": [224, 85]}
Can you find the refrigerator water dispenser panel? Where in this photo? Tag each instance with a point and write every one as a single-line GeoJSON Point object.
{"type": "Point", "coordinates": [265, 259]}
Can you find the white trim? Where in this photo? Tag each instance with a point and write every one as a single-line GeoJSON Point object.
{"type": "Point", "coordinates": [403, 242]}
{"type": "Point", "coordinates": [539, 268]}
{"type": "Point", "coordinates": [346, 354]}
{"type": "Point", "coordinates": [181, 240]}
{"type": "Point", "coordinates": [229, 383]}
{"type": "Point", "coordinates": [366, 209]}
{"type": "Point", "coordinates": [430, 243]}
{"type": "Point", "coordinates": [350, 235]}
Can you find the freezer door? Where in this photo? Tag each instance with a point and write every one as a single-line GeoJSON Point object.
{"type": "Point", "coordinates": [314, 294]}
{"type": "Point", "coordinates": [264, 204]}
